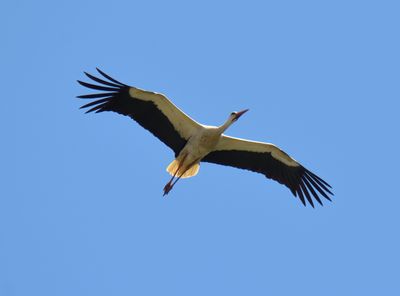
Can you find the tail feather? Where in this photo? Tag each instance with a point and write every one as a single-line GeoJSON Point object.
{"type": "Point", "coordinates": [191, 172]}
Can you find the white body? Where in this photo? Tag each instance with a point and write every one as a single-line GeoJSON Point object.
{"type": "Point", "coordinates": [198, 146]}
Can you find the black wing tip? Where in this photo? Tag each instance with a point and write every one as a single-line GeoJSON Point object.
{"type": "Point", "coordinates": [109, 89]}
{"type": "Point", "coordinates": [102, 73]}
{"type": "Point", "coordinates": [109, 82]}
{"type": "Point", "coordinates": [311, 187]}
{"type": "Point", "coordinates": [81, 82]}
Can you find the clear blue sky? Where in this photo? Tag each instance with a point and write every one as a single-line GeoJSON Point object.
{"type": "Point", "coordinates": [81, 206]}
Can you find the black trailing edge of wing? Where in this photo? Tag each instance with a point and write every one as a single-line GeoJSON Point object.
{"type": "Point", "coordinates": [114, 96]}
{"type": "Point", "coordinates": [301, 182]}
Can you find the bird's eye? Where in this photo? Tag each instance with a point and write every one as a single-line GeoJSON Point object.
{"type": "Point", "coordinates": [233, 113]}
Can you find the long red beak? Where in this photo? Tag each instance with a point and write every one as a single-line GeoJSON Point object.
{"type": "Point", "coordinates": [240, 113]}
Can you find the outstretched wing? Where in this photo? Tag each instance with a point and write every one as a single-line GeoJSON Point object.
{"type": "Point", "coordinates": [272, 162]}
{"type": "Point", "coordinates": [153, 111]}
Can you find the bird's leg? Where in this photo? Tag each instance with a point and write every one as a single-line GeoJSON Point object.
{"type": "Point", "coordinates": [169, 185]}
{"type": "Point", "coordinates": [176, 180]}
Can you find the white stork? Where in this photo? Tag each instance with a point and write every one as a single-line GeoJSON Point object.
{"type": "Point", "coordinates": [193, 142]}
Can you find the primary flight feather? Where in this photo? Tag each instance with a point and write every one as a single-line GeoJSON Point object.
{"type": "Point", "coordinates": [193, 142]}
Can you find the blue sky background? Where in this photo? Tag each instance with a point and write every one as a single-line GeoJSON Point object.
{"type": "Point", "coordinates": [81, 206]}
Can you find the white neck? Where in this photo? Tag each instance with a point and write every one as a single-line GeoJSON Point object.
{"type": "Point", "coordinates": [225, 126]}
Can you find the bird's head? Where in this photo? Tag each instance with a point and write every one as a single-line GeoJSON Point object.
{"type": "Point", "coordinates": [236, 115]}
{"type": "Point", "coordinates": [233, 117]}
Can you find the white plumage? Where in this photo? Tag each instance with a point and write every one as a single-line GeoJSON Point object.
{"type": "Point", "coordinates": [193, 142]}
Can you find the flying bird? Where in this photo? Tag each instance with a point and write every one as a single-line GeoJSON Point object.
{"type": "Point", "coordinates": [193, 142]}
